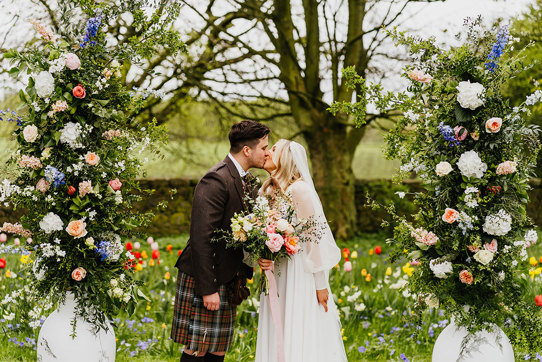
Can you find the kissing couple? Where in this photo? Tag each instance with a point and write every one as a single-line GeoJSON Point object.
{"type": "Point", "coordinates": [212, 278]}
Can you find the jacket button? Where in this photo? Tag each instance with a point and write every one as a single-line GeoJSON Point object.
{"type": "Point", "coordinates": [214, 254]}
{"type": "Point", "coordinates": [213, 266]}
{"type": "Point", "coordinates": [215, 280]}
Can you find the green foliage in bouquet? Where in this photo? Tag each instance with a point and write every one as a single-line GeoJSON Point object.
{"type": "Point", "coordinates": [76, 164]}
{"type": "Point", "coordinates": [474, 153]}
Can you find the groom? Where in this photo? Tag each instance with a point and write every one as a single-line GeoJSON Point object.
{"type": "Point", "coordinates": [204, 320]}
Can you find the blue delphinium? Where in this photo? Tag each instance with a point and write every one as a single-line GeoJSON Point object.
{"type": "Point", "coordinates": [92, 29]}
{"type": "Point", "coordinates": [54, 176]}
{"type": "Point", "coordinates": [497, 49]}
{"type": "Point", "coordinates": [10, 116]}
{"type": "Point", "coordinates": [448, 134]}
{"type": "Point", "coordinates": [102, 249]}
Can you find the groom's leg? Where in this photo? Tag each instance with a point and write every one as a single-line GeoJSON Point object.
{"type": "Point", "coordinates": [210, 357]}
{"type": "Point", "coordinates": [189, 356]}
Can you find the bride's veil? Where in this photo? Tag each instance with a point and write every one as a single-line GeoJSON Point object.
{"type": "Point", "coordinates": [322, 252]}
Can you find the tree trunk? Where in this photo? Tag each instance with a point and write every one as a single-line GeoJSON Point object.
{"type": "Point", "coordinates": [331, 156]}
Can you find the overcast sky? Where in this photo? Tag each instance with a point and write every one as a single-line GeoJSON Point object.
{"type": "Point", "coordinates": [427, 19]}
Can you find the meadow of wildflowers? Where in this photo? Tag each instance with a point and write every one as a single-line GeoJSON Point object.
{"type": "Point", "coordinates": [376, 312]}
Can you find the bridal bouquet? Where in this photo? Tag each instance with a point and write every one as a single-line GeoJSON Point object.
{"type": "Point", "coordinates": [76, 161]}
{"type": "Point", "coordinates": [474, 153]}
{"type": "Point", "coordinates": [265, 232]}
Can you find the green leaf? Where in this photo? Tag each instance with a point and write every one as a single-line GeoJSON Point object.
{"type": "Point", "coordinates": [103, 102]}
{"type": "Point", "coordinates": [142, 295]}
{"type": "Point", "coordinates": [462, 115]}
{"type": "Point", "coordinates": [56, 137]}
{"type": "Point", "coordinates": [422, 246]}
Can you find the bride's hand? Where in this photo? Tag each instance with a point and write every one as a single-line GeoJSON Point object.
{"type": "Point", "coordinates": [265, 264]}
{"type": "Point", "coordinates": [322, 295]}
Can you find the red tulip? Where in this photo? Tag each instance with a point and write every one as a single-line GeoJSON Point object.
{"type": "Point", "coordinates": [378, 250]}
{"type": "Point", "coordinates": [538, 300]}
{"type": "Point", "coordinates": [155, 254]}
{"type": "Point", "coordinates": [2, 263]}
{"type": "Point", "coordinates": [137, 255]}
{"type": "Point", "coordinates": [71, 190]}
{"type": "Point", "coordinates": [180, 252]}
{"type": "Point", "coordinates": [129, 246]}
{"type": "Point", "coordinates": [346, 252]}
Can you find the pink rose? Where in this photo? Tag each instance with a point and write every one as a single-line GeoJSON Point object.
{"type": "Point", "coordinates": [79, 274]}
{"type": "Point", "coordinates": [493, 125]}
{"type": "Point", "coordinates": [420, 76]}
{"type": "Point", "coordinates": [42, 185]}
{"type": "Point", "coordinates": [460, 133]}
{"type": "Point", "coordinates": [85, 187]}
{"type": "Point", "coordinates": [79, 92]}
{"type": "Point", "coordinates": [72, 61]}
{"type": "Point", "coordinates": [450, 215]}
{"type": "Point", "coordinates": [115, 184]}
{"type": "Point", "coordinates": [92, 159]}
{"type": "Point", "coordinates": [492, 246]}
{"type": "Point", "coordinates": [275, 242]}
{"type": "Point", "coordinates": [270, 229]}
{"type": "Point", "coordinates": [415, 262]}
{"type": "Point", "coordinates": [507, 167]}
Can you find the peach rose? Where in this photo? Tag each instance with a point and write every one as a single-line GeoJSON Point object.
{"type": "Point", "coordinates": [92, 159]}
{"type": "Point", "coordinates": [42, 185]}
{"type": "Point", "coordinates": [115, 184]}
{"type": "Point", "coordinates": [290, 243]}
{"type": "Point", "coordinates": [79, 92]}
{"type": "Point", "coordinates": [72, 61]}
{"type": "Point", "coordinates": [30, 133]}
{"type": "Point", "coordinates": [466, 277]}
{"type": "Point", "coordinates": [77, 229]}
{"type": "Point", "coordinates": [507, 167]}
{"type": "Point", "coordinates": [420, 76]}
{"type": "Point", "coordinates": [79, 274]}
{"type": "Point", "coordinates": [493, 125]}
{"type": "Point", "coordinates": [275, 242]}
{"type": "Point", "coordinates": [450, 215]}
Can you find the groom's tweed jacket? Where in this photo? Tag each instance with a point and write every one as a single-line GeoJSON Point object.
{"type": "Point", "coordinates": [217, 197]}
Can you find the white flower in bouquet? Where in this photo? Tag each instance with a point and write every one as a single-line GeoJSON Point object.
{"type": "Point", "coordinates": [531, 237]}
{"type": "Point", "coordinates": [506, 168]}
{"type": "Point", "coordinates": [282, 225]}
{"type": "Point", "coordinates": [44, 84]}
{"type": "Point", "coordinates": [30, 133]}
{"type": "Point", "coordinates": [70, 134]}
{"type": "Point", "coordinates": [235, 226]}
{"type": "Point", "coordinates": [470, 95]}
{"type": "Point", "coordinates": [441, 269]}
{"type": "Point", "coordinates": [484, 256]}
{"type": "Point", "coordinates": [117, 292]}
{"type": "Point", "coordinates": [51, 222]}
{"type": "Point", "coordinates": [471, 165]}
{"type": "Point", "coordinates": [114, 283]}
{"type": "Point", "coordinates": [443, 168]}
{"type": "Point", "coordinates": [247, 225]}
{"type": "Point", "coordinates": [39, 272]}
{"type": "Point", "coordinates": [261, 203]}
{"type": "Point", "coordinates": [498, 224]}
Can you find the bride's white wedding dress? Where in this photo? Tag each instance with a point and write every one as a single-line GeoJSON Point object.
{"type": "Point", "coordinates": [310, 333]}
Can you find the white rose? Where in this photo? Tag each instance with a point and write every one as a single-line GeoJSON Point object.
{"type": "Point", "coordinates": [484, 256]}
{"type": "Point", "coordinates": [443, 168]}
{"type": "Point", "coordinates": [470, 94]}
{"type": "Point", "coordinates": [282, 225]}
{"type": "Point", "coordinates": [44, 84]}
{"type": "Point", "coordinates": [471, 165]}
{"type": "Point", "coordinates": [114, 283]}
{"type": "Point", "coordinates": [30, 133]}
{"type": "Point", "coordinates": [441, 269]}
{"type": "Point", "coordinates": [51, 222]}
{"type": "Point", "coordinates": [70, 133]}
{"type": "Point", "coordinates": [498, 224]}
{"type": "Point", "coordinates": [247, 226]}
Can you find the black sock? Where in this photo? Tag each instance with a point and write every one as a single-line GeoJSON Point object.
{"type": "Point", "coordinates": [209, 357]}
{"type": "Point", "coordinates": [185, 357]}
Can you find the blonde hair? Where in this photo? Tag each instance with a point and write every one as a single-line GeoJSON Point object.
{"type": "Point", "coordinates": [286, 172]}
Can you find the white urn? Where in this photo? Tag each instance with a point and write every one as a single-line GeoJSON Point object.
{"type": "Point", "coordinates": [483, 346]}
{"type": "Point", "coordinates": [56, 344]}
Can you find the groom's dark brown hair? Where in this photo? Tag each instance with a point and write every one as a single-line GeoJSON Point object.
{"type": "Point", "coordinates": [246, 133]}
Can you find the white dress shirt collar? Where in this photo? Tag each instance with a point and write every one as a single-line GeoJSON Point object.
{"type": "Point", "coordinates": [242, 172]}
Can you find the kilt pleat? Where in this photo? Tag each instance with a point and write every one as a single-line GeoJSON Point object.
{"type": "Point", "coordinates": [196, 327]}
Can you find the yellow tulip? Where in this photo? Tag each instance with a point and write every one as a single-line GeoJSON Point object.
{"type": "Point", "coordinates": [371, 252]}
{"type": "Point", "coordinates": [167, 276]}
{"type": "Point", "coordinates": [368, 278]}
{"type": "Point", "coordinates": [363, 272]}
{"type": "Point", "coordinates": [388, 271]}
{"type": "Point", "coordinates": [250, 281]}
{"type": "Point", "coordinates": [354, 255]}
{"type": "Point", "coordinates": [138, 267]}
{"type": "Point", "coordinates": [144, 254]}
{"type": "Point", "coordinates": [151, 262]}
{"type": "Point", "coordinates": [163, 325]}
{"type": "Point", "coordinates": [407, 269]}
{"type": "Point", "coordinates": [533, 261]}
{"type": "Point", "coordinates": [8, 274]}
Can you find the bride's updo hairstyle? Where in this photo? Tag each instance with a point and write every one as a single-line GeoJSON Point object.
{"type": "Point", "coordinates": [286, 172]}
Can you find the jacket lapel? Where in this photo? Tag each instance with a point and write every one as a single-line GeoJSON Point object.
{"type": "Point", "coordinates": [238, 183]}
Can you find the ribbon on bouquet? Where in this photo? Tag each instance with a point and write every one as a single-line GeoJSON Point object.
{"type": "Point", "coordinates": [275, 313]}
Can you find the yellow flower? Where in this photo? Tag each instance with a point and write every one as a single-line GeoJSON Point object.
{"type": "Point", "coordinates": [167, 276]}
{"type": "Point", "coordinates": [354, 255]}
{"type": "Point", "coordinates": [144, 254]}
{"type": "Point", "coordinates": [164, 326]}
{"type": "Point", "coordinates": [340, 301]}
{"type": "Point", "coordinates": [534, 272]}
{"type": "Point", "coordinates": [363, 272]}
{"type": "Point", "coordinates": [138, 267]}
{"type": "Point", "coordinates": [533, 261]}
{"type": "Point", "coordinates": [337, 266]}
{"type": "Point", "coordinates": [388, 271]}
{"type": "Point", "coordinates": [371, 252]}
{"type": "Point", "coordinates": [250, 281]}
{"type": "Point", "coordinates": [368, 278]}
{"type": "Point", "coordinates": [407, 269]}
{"type": "Point", "coordinates": [148, 307]}
{"type": "Point", "coordinates": [151, 262]}
{"type": "Point", "coordinates": [344, 338]}
{"type": "Point", "coordinates": [8, 274]}
{"type": "Point", "coordinates": [25, 259]}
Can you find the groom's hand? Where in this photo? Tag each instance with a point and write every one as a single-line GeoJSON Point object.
{"type": "Point", "coordinates": [322, 296]}
{"type": "Point", "coordinates": [212, 301]}
{"type": "Point", "coordinates": [265, 264]}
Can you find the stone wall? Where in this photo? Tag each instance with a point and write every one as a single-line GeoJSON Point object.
{"type": "Point", "coordinates": [176, 217]}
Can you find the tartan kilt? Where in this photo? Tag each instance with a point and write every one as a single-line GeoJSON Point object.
{"type": "Point", "coordinates": [196, 327]}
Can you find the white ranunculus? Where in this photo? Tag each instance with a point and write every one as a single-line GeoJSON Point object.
{"type": "Point", "coordinates": [51, 222]}
{"type": "Point", "coordinates": [484, 256]}
{"type": "Point", "coordinates": [44, 84]}
{"type": "Point", "coordinates": [470, 95]}
{"type": "Point", "coordinates": [498, 224]}
{"type": "Point", "coordinates": [70, 134]}
{"type": "Point", "coordinates": [30, 133]}
{"type": "Point", "coordinates": [443, 168]}
{"type": "Point", "coordinates": [471, 165]}
{"type": "Point", "coordinates": [441, 269]}
{"type": "Point", "coordinates": [282, 225]}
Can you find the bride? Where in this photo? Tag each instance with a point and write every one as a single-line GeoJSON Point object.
{"type": "Point", "coordinates": [311, 327]}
